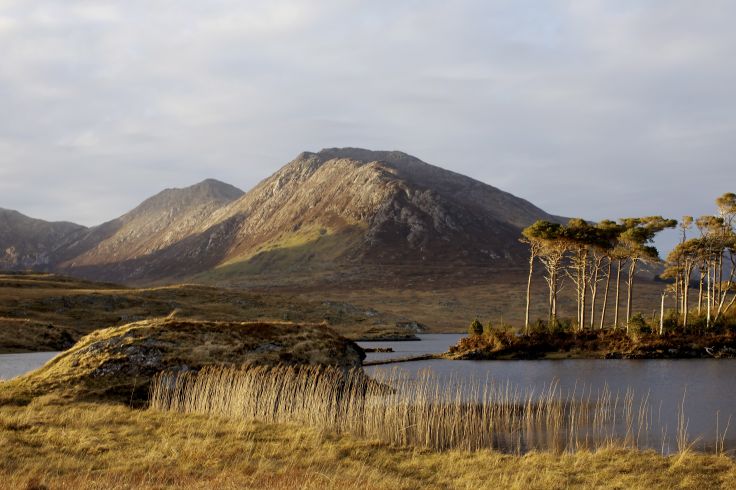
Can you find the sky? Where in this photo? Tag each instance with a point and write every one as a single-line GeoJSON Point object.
{"type": "Point", "coordinates": [590, 108]}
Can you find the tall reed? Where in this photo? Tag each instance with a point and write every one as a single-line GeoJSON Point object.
{"type": "Point", "coordinates": [425, 412]}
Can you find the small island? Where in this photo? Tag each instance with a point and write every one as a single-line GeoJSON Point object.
{"type": "Point", "coordinates": [505, 344]}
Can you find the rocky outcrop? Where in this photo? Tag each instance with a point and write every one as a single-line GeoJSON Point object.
{"type": "Point", "coordinates": [118, 363]}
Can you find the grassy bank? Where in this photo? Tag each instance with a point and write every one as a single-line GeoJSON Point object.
{"type": "Point", "coordinates": [49, 444]}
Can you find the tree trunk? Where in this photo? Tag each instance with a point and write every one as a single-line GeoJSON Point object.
{"type": "Point", "coordinates": [629, 292]}
{"type": "Point", "coordinates": [707, 321]}
{"type": "Point", "coordinates": [583, 289]}
{"type": "Point", "coordinates": [661, 314]}
{"type": "Point", "coordinates": [618, 292]}
{"type": "Point", "coordinates": [554, 300]}
{"type": "Point", "coordinates": [677, 294]}
{"type": "Point", "coordinates": [719, 279]}
{"type": "Point", "coordinates": [605, 295]}
{"type": "Point", "coordinates": [549, 320]}
{"type": "Point", "coordinates": [685, 292]}
{"type": "Point", "coordinates": [593, 294]}
{"type": "Point", "coordinates": [528, 293]}
{"type": "Point", "coordinates": [700, 293]}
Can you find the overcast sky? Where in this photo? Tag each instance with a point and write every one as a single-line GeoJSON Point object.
{"type": "Point", "coordinates": [599, 109]}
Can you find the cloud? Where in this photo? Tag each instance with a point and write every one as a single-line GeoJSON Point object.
{"type": "Point", "coordinates": [595, 108]}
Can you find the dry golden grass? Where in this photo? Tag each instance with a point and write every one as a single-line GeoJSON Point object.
{"type": "Point", "coordinates": [52, 445]}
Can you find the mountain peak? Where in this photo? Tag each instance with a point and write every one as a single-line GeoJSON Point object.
{"type": "Point", "coordinates": [364, 155]}
{"type": "Point", "coordinates": [217, 187]}
{"type": "Point", "coordinates": [208, 189]}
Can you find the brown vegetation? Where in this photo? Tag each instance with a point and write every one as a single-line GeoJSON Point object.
{"type": "Point", "coordinates": [47, 312]}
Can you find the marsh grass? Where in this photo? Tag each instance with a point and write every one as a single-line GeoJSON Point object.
{"type": "Point", "coordinates": [426, 412]}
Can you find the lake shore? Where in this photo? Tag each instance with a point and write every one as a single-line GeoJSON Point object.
{"type": "Point", "coordinates": [593, 345]}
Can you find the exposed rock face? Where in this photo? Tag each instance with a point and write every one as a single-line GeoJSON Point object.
{"type": "Point", "coordinates": [119, 362]}
{"type": "Point", "coordinates": [329, 210]}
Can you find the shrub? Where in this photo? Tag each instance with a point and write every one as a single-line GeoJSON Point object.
{"type": "Point", "coordinates": [488, 329]}
{"type": "Point", "coordinates": [560, 326]}
{"type": "Point", "coordinates": [538, 327]}
{"type": "Point", "coordinates": [476, 328]}
{"type": "Point", "coordinates": [638, 326]}
{"type": "Point", "coordinates": [671, 321]}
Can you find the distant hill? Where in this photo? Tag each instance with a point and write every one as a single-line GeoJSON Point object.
{"type": "Point", "coordinates": [27, 243]}
{"type": "Point", "coordinates": [157, 223]}
{"type": "Point", "coordinates": [336, 210]}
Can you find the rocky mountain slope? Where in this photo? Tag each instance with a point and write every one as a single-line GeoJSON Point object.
{"type": "Point", "coordinates": [351, 206]}
{"type": "Point", "coordinates": [336, 209]}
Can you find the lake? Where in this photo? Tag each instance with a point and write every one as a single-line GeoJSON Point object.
{"type": "Point", "coordinates": [704, 387]}
{"type": "Point", "coordinates": [429, 344]}
{"type": "Point", "coordinates": [12, 365]}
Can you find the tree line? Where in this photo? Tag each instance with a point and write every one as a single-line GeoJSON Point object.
{"type": "Point", "coordinates": [597, 257]}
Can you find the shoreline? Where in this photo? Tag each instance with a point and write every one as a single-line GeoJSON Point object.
{"type": "Point", "coordinates": [593, 345]}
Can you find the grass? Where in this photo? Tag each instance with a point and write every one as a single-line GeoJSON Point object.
{"type": "Point", "coordinates": [312, 250]}
{"type": "Point", "coordinates": [51, 444]}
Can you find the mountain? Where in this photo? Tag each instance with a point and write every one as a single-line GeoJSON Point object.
{"type": "Point", "coordinates": [337, 211]}
{"type": "Point", "coordinates": [27, 243]}
{"type": "Point", "coordinates": [348, 206]}
{"type": "Point", "coordinates": [157, 223]}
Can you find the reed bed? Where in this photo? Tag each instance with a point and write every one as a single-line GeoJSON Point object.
{"type": "Point", "coordinates": [425, 412]}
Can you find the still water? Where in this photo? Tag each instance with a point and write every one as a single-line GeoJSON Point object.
{"type": "Point", "coordinates": [706, 388]}
{"type": "Point", "coordinates": [12, 365]}
{"type": "Point", "coordinates": [429, 344]}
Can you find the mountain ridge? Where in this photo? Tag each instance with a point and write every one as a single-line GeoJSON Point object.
{"type": "Point", "coordinates": [322, 211]}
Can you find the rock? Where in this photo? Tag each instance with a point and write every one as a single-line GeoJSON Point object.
{"type": "Point", "coordinates": [118, 363]}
